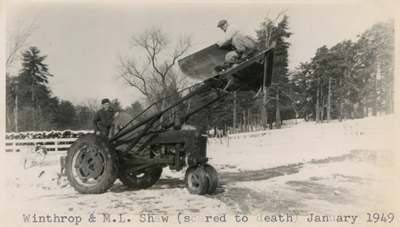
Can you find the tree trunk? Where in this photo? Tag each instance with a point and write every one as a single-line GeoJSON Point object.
{"type": "Point", "coordinates": [270, 124]}
{"type": "Point", "coordinates": [33, 119]}
{"type": "Point", "coordinates": [244, 121]}
{"type": "Point", "coordinates": [374, 95]}
{"type": "Point", "coordinates": [248, 120]}
{"type": "Point", "coordinates": [352, 111]}
{"type": "Point", "coordinates": [215, 130]}
{"type": "Point", "coordinates": [234, 112]}
{"type": "Point", "coordinates": [322, 110]}
{"type": "Point", "coordinates": [16, 114]}
{"type": "Point", "coordinates": [10, 126]}
{"type": "Point", "coordinates": [225, 130]}
{"type": "Point", "coordinates": [328, 110]}
{"type": "Point", "coordinates": [264, 111]}
{"type": "Point", "coordinates": [317, 106]}
{"type": "Point", "coordinates": [207, 125]}
{"type": "Point", "coordinates": [361, 106]}
{"type": "Point", "coordinates": [278, 114]}
{"type": "Point", "coordinates": [40, 119]}
{"type": "Point", "coordinates": [296, 115]}
{"type": "Point", "coordinates": [341, 97]}
{"type": "Point", "coordinates": [162, 108]}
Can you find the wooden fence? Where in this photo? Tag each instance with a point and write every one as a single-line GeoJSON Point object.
{"type": "Point", "coordinates": [57, 144]}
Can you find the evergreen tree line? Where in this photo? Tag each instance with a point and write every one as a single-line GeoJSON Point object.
{"type": "Point", "coordinates": [350, 80]}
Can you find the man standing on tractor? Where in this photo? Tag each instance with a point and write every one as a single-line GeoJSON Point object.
{"type": "Point", "coordinates": [103, 119]}
{"type": "Point", "coordinates": [244, 45]}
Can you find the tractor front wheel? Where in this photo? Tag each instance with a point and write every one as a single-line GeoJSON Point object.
{"type": "Point", "coordinates": [196, 180]}
{"type": "Point", "coordinates": [212, 177]}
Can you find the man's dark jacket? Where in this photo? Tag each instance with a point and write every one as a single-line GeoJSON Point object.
{"type": "Point", "coordinates": [103, 120]}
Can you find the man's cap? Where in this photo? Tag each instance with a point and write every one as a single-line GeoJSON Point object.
{"type": "Point", "coordinates": [221, 23]}
{"type": "Point", "coordinates": [105, 101]}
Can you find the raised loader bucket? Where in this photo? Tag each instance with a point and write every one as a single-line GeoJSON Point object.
{"type": "Point", "coordinates": [201, 64]}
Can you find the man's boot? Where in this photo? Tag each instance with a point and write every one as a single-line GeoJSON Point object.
{"type": "Point", "coordinates": [221, 68]}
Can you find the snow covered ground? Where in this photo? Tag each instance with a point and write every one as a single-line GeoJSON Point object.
{"type": "Point", "coordinates": [325, 168]}
{"type": "Point", "coordinates": [301, 143]}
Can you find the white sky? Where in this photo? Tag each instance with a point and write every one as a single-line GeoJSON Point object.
{"type": "Point", "coordinates": [82, 40]}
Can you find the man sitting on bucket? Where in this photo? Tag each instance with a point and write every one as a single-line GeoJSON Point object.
{"type": "Point", "coordinates": [244, 45]}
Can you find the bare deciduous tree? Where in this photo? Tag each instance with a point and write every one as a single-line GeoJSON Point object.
{"type": "Point", "coordinates": [17, 37]}
{"type": "Point", "coordinates": [155, 76]}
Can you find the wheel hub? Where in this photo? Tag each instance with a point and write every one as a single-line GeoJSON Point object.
{"type": "Point", "coordinates": [194, 180]}
{"type": "Point", "coordinates": [89, 164]}
{"type": "Point", "coordinates": [92, 165]}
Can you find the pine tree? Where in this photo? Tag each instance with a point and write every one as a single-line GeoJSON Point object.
{"type": "Point", "coordinates": [33, 91]}
{"type": "Point", "coordinates": [268, 33]}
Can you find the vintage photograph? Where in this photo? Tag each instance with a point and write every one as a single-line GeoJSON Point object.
{"type": "Point", "coordinates": [168, 113]}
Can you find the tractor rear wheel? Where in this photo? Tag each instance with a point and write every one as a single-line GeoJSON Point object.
{"type": "Point", "coordinates": [91, 165]}
{"type": "Point", "coordinates": [141, 179]}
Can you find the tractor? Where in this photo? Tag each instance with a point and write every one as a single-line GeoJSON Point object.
{"type": "Point", "coordinates": [137, 149]}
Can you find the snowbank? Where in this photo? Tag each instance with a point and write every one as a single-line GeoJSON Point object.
{"type": "Point", "coordinates": [301, 143]}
